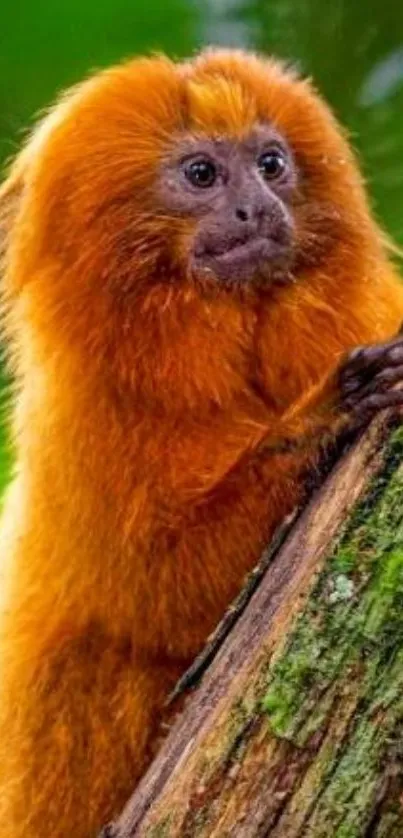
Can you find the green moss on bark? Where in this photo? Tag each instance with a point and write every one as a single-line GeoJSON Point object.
{"type": "Point", "coordinates": [349, 640]}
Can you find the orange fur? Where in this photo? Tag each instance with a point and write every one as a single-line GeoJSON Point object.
{"type": "Point", "coordinates": [139, 500]}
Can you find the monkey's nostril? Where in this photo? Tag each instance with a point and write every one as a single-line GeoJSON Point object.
{"type": "Point", "coordinates": [241, 214]}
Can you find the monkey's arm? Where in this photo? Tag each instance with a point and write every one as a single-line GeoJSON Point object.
{"type": "Point", "coordinates": [223, 503]}
{"type": "Point", "coordinates": [359, 387]}
{"type": "Point", "coordinates": [364, 383]}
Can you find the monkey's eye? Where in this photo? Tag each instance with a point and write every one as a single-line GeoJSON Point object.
{"type": "Point", "coordinates": [272, 164]}
{"type": "Point", "coordinates": [201, 172]}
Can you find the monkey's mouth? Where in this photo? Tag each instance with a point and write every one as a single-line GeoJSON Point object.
{"type": "Point", "coordinates": [242, 261]}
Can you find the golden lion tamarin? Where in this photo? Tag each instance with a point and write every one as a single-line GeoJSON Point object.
{"type": "Point", "coordinates": [189, 262]}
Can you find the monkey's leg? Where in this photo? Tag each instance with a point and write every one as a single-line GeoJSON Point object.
{"type": "Point", "coordinates": [75, 732]}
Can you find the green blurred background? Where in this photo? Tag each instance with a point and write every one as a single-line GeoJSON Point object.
{"type": "Point", "coordinates": [352, 48]}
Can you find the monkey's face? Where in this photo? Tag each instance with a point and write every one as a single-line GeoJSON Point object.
{"type": "Point", "coordinates": [258, 179]}
{"type": "Point", "coordinates": [239, 194]}
{"type": "Point", "coordinates": [227, 170]}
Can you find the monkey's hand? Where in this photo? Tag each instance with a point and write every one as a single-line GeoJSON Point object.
{"type": "Point", "coordinates": [369, 379]}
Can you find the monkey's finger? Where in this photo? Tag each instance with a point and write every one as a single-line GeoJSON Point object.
{"type": "Point", "coordinates": [378, 401]}
{"type": "Point", "coordinates": [366, 359]}
{"type": "Point", "coordinates": [380, 383]}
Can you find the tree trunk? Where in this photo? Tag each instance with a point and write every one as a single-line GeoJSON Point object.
{"type": "Point", "coordinates": [296, 728]}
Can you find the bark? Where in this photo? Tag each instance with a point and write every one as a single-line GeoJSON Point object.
{"type": "Point", "coordinates": [296, 728]}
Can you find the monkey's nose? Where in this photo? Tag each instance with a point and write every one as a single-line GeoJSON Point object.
{"type": "Point", "coordinates": [242, 214]}
{"type": "Point", "coordinates": [255, 210]}
{"type": "Point", "coordinates": [263, 215]}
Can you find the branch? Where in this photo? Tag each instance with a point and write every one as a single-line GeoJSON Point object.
{"type": "Point", "coordinates": [297, 726]}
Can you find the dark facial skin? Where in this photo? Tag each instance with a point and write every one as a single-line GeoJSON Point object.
{"type": "Point", "coordinates": [239, 193]}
